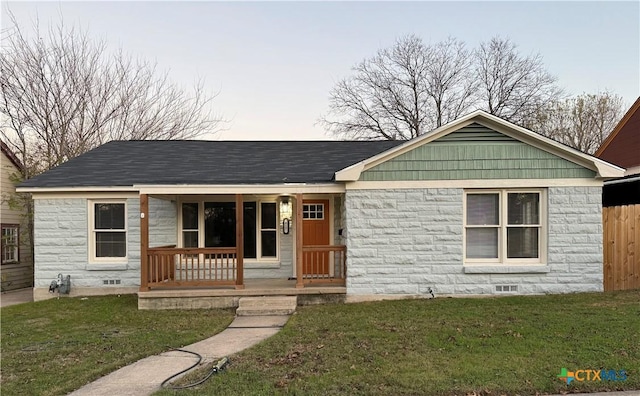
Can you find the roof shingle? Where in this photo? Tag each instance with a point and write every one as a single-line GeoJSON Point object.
{"type": "Point", "coordinates": [126, 163]}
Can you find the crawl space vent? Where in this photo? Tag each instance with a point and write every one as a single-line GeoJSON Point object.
{"type": "Point", "coordinates": [506, 288]}
{"type": "Point", "coordinates": [111, 281]}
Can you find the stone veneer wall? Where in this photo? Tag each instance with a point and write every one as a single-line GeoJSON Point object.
{"type": "Point", "coordinates": [405, 241]}
{"type": "Point", "coordinates": [62, 242]}
{"type": "Point", "coordinates": [62, 245]}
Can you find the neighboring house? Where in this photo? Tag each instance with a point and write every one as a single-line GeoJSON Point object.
{"type": "Point", "coordinates": [16, 268]}
{"type": "Point", "coordinates": [621, 201]}
{"type": "Point", "coordinates": [478, 206]}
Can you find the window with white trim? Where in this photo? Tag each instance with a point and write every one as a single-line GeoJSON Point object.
{"type": "Point", "coordinates": [108, 223]}
{"type": "Point", "coordinates": [213, 224]}
{"type": "Point", "coordinates": [504, 226]}
{"type": "Point", "coordinates": [268, 229]}
{"type": "Point", "coordinates": [190, 217]}
{"type": "Point", "coordinates": [10, 246]}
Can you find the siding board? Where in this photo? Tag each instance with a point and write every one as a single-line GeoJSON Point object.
{"type": "Point", "coordinates": [16, 275]}
{"type": "Point", "coordinates": [475, 152]}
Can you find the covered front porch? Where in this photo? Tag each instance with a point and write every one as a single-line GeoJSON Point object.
{"type": "Point", "coordinates": [242, 244]}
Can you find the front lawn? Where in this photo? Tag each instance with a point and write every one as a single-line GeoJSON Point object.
{"type": "Point", "coordinates": [53, 347]}
{"type": "Point", "coordinates": [445, 346]}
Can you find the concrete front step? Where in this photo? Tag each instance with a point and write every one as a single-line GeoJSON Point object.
{"type": "Point", "coordinates": [266, 306]}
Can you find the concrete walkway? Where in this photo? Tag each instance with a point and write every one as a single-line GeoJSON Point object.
{"type": "Point", "coordinates": [145, 376]}
{"type": "Point", "coordinates": [14, 297]}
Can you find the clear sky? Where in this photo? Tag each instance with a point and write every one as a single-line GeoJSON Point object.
{"type": "Point", "coordinates": [274, 63]}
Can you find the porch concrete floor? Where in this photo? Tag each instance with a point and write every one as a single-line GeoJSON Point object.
{"type": "Point", "coordinates": [252, 287]}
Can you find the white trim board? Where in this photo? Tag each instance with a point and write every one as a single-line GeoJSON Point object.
{"type": "Point", "coordinates": [41, 190]}
{"type": "Point", "coordinates": [278, 189]}
{"type": "Point", "coordinates": [86, 195]}
{"type": "Point", "coordinates": [183, 189]}
{"type": "Point", "coordinates": [484, 183]}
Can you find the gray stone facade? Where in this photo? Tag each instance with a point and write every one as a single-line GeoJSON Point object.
{"type": "Point", "coordinates": [62, 246]}
{"type": "Point", "coordinates": [399, 242]}
{"type": "Point", "coordinates": [405, 241]}
{"type": "Point", "coordinates": [61, 232]}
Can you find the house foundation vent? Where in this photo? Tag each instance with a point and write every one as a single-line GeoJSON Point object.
{"type": "Point", "coordinates": [111, 282]}
{"type": "Point", "coordinates": [506, 288]}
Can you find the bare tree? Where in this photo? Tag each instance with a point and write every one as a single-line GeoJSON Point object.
{"type": "Point", "coordinates": [512, 87]}
{"type": "Point", "coordinates": [64, 94]}
{"type": "Point", "coordinates": [582, 122]}
{"type": "Point", "coordinates": [402, 91]}
{"type": "Point", "coordinates": [449, 87]}
{"type": "Point", "coordinates": [411, 88]}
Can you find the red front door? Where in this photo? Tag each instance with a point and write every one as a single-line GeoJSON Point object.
{"type": "Point", "coordinates": [315, 231]}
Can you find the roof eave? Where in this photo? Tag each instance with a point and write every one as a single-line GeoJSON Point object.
{"type": "Point", "coordinates": [602, 168]}
{"type": "Point", "coordinates": [627, 116]}
{"type": "Point", "coordinates": [187, 189]}
{"type": "Point", "coordinates": [35, 190]}
{"type": "Point", "coordinates": [11, 156]}
{"type": "Point", "coordinates": [352, 173]}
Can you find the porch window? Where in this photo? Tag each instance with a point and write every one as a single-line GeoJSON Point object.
{"type": "Point", "coordinates": [108, 230]}
{"type": "Point", "coordinates": [268, 229]}
{"type": "Point", "coordinates": [219, 224]}
{"type": "Point", "coordinates": [9, 245]}
{"type": "Point", "coordinates": [217, 227]}
{"type": "Point", "coordinates": [190, 225]}
{"type": "Point", "coordinates": [504, 226]}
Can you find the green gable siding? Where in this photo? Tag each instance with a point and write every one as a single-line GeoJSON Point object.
{"type": "Point", "coordinates": [475, 152]}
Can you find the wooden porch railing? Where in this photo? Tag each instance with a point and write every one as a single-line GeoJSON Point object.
{"type": "Point", "coordinates": [324, 264]}
{"type": "Point", "coordinates": [174, 267]}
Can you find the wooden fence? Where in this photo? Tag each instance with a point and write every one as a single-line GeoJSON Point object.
{"type": "Point", "coordinates": [621, 226]}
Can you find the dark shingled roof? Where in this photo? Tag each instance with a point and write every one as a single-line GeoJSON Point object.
{"type": "Point", "coordinates": [125, 163]}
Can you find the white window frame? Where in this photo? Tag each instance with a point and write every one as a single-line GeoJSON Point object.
{"type": "Point", "coordinates": [306, 211]}
{"type": "Point", "coordinates": [502, 227]}
{"type": "Point", "coordinates": [181, 231]}
{"type": "Point", "coordinates": [92, 232]}
{"type": "Point", "coordinates": [260, 228]}
{"type": "Point", "coordinates": [259, 202]}
{"type": "Point", "coordinates": [15, 248]}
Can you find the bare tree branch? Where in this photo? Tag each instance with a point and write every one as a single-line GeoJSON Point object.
{"type": "Point", "coordinates": [411, 88]}
{"type": "Point", "coordinates": [64, 94]}
{"type": "Point", "coordinates": [511, 86]}
{"type": "Point", "coordinates": [582, 122]}
{"type": "Point", "coordinates": [402, 91]}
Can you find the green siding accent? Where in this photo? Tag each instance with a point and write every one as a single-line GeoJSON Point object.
{"type": "Point", "coordinates": [475, 152]}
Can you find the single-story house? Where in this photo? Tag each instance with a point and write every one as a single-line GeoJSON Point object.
{"type": "Point", "coordinates": [16, 264]}
{"type": "Point", "coordinates": [479, 206]}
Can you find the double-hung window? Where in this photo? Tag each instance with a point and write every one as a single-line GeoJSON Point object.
{"type": "Point", "coordinates": [504, 226]}
{"type": "Point", "coordinates": [108, 231]}
{"type": "Point", "coordinates": [10, 248]}
{"type": "Point", "coordinates": [190, 227]}
{"type": "Point", "coordinates": [213, 224]}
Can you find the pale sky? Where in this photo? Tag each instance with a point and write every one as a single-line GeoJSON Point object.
{"type": "Point", "coordinates": [274, 63]}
